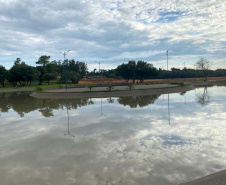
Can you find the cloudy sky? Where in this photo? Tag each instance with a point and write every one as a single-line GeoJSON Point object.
{"type": "Point", "coordinates": [114, 31]}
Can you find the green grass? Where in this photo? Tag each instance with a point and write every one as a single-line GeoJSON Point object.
{"type": "Point", "coordinates": [44, 85]}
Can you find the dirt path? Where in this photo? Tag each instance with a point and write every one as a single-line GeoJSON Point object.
{"type": "Point", "coordinates": [115, 88]}
{"type": "Point", "coordinates": [143, 92]}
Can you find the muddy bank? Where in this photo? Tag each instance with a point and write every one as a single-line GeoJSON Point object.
{"type": "Point", "coordinates": [114, 93]}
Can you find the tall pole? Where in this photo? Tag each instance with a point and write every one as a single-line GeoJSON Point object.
{"type": "Point", "coordinates": [99, 72]}
{"type": "Point", "coordinates": [64, 53]}
{"type": "Point", "coordinates": [184, 72]}
{"type": "Point", "coordinates": [167, 67]}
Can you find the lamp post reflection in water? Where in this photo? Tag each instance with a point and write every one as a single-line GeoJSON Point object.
{"type": "Point", "coordinates": [68, 131]}
{"type": "Point", "coordinates": [101, 109]}
{"type": "Point", "coordinates": [168, 111]}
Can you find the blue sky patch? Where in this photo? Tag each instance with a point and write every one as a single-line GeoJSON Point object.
{"type": "Point", "coordinates": [169, 16]}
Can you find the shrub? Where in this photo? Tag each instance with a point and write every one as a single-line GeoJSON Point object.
{"type": "Point", "coordinates": [90, 86]}
{"type": "Point", "coordinates": [130, 86]}
{"type": "Point", "coordinates": [182, 84]}
{"type": "Point", "coordinates": [110, 87]}
{"type": "Point", "coordinates": [39, 89]}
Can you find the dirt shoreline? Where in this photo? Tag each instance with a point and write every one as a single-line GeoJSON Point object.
{"type": "Point", "coordinates": [154, 91]}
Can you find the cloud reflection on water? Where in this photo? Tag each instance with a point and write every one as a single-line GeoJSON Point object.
{"type": "Point", "coordinates": [130, 144]}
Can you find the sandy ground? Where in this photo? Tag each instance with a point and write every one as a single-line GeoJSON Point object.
{"type": "Point", "coordinates": [115, 88]}
{"type": "Point", "coordinates": [218, 178]}
{"type": "Point", "coordinates": [105, 80]}
{"type": "Point", "coordinates": [160, 89]}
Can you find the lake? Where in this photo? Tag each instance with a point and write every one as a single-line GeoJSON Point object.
{"type": "Point", "coordinates": [157, 140]}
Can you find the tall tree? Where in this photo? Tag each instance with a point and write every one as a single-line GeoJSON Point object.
{"type": "Point", "coordinates": [49, 76]}
{"type": "Point", "coordinates": [127, 71]}
{"type": "Point", "coordinates": [145, 70]}
{"type": "Point", "coordinates": [22, 73]}
{"type": "Point", "coordinates": [17, 61]}
{"type": "Point", "coordinates": [3, 72]}
{"type": "Point", "coordinates": [133, 70]}
{"type": "Point", "coordinates": [43, 60]}
{"type": "Point", "coordinates": [204, 65]}
{"type": "Point", "coordinates": [72, 77]}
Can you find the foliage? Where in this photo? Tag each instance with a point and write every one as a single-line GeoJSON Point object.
{"type": "Point", "coordinates": [47, 71]}
{"type": "Point", "coordinates": [110, 87]}
{"type": "Point", "coordinates": [51, 67]}
{"type": "Point", "coordinates": [131, 86]}
{"type": "Point", "coordinates": [22, 73]}
{"type": "Point", "coordinates": [145, 70]}
{"type": "Point", "coordinates": [127, 71]}
{"type": "Point", "coordinates": [90, 86]}
{"type": "Point", "coordinates": [43, 60]}
{"type": "Point", "coordinates": [78, 67]}
{"type": "Point", "coordinates": [3, 73]}
{"type": "Point", "coordinates": [17, 61]}
{"type": "Point", "coordinates": [72, 77]}
{"type": "Point", "coordinates": [49, 76]}
{"type": "Point", "coordinates": [203, 65]}
{"type": "Point", "coordinates": [39, 89]}
{"type": "Point", "coordinates": [133, 70]}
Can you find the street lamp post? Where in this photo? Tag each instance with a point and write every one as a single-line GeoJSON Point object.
{"type": "Point", "coordinates": [64, 53]}
{"type": "Point", "coordinates": [99, 72]}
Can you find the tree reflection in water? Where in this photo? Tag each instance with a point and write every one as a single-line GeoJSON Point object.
{"type": "Point", "coordinates": [22, 103]}
{"type": "Point", "coordinates": [110, 100]}
{"type": "Point", "coordinates": [134, 101]}
{"type": "Point", "coordinates": [203, 98]}
{"type": "Point", "coordinates": [184, 94]}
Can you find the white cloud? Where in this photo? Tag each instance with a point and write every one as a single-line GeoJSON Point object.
{"type": "Point", "coordinates": [135, 145]}
{"type": "Point", "coordinates": [106, 30]}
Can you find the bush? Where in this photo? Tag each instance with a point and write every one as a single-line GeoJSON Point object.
{"type": "Point", "coordinates": [90, 86]}
{"type": "Point", "coordinates": [39, 89]}
{"type": "Point", "coordinates": [130, 86]}
{"type": "Point", "coordinates": [182, 84]}
{"type": "Point", "coordinates": [110, 87]}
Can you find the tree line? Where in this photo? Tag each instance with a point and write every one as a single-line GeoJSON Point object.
{"type": "Point", "coordinates": [45, 71]}
{"type": "Point", "coordinates": [54, 71]}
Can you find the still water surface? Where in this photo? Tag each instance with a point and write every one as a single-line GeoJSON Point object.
{"type": "Point", "coordinates": [157, 140]}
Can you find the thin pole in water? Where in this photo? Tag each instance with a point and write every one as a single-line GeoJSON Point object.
{"type": "Point", "coordinates": [168, 110]}
{"type": "Point", "coordinates": [167, 67]}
